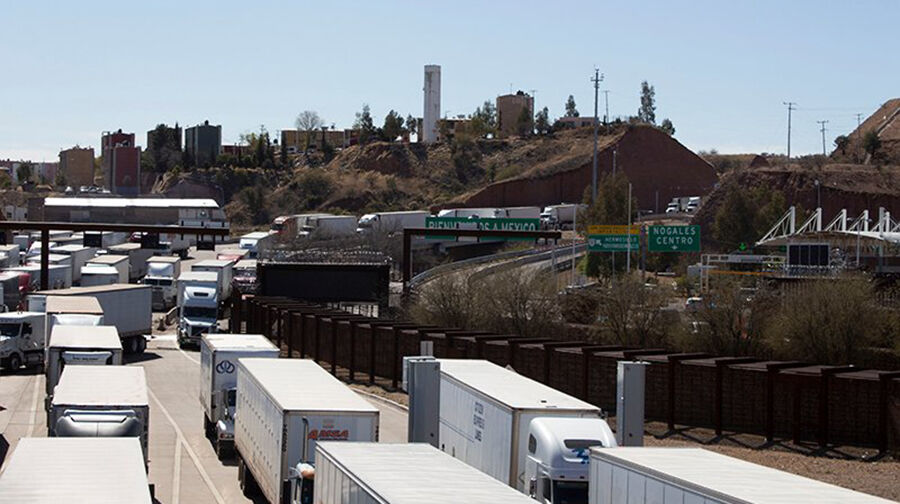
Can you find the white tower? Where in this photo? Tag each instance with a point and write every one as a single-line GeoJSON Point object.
{"type": "Point", "coordinates": [432, 110]}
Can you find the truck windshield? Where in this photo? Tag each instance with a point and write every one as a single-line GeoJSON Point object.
{"type": "Point", "coordinates": [570, 492]}
{"type": "Point", "coordinates": [200, 312]}
{"type": "Point", "coordinates": [7, 329]}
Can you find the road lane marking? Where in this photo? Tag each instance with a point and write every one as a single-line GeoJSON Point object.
{"type": "Point", "coordinates": [188, 356]}
{"type": "Point", "coordinates": [176, 474]}
{"type": "Point", "coordinates": [190, 451]}
{"type": "Point", "coordinates": [34, 405]}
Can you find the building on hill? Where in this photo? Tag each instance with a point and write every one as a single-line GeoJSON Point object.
{"type": "Point", "coordinates": [203, 143]}
{"type": "Point", "coordinates": [77, 166]}
{"type": "Point", "coordinates": [295, 141]}
{"type": "Point", "coordinates": [574, 122]}
{"type": "Point", "coordinates": [659, 167]}
{"type": "Point", "coordinates": [121, 163]}
{"type": "Point", "coordinates": [515, 114]}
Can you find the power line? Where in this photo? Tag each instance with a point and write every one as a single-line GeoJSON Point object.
{"type": "Point", "coordinates": [791, 107]}
{"type": "Point", "coordinates": [823, 123]}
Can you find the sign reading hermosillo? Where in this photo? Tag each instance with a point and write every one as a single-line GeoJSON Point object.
{"type": "Point", "coordinates": [673, 239]}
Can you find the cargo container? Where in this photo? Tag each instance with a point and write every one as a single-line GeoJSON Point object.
{"type": "Point", "coordinates": [284, 407]}
{"type": "Point", "coordinates": [119, 262]}
{"type": "Point", "coordinates": [55, 470]}
{"type": "Point", "coordinates": [516, 429]}
{"type": "Point", "coordinates": [125, 306]}
{"type": "Point", "coordinates": [72, 345]}
{"type": "Point", "coordinates": [644, 475]}
{"type": "Point", "coordinates": [376, 473]}
{"type": "Point", "coordinates": [137, 258]}
{"type": "Point", "coordinates": [101, 401]}
{"type": "Point", "coordinates": [218, 381]}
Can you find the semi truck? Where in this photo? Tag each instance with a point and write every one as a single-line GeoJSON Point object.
{"type": "Point", "coordinates": [415, 473]}
{"type": "Point", "coordinates": [198, 306]}
{"type": "Point", "coordinates": [560, 216]}
{"type": "Point", "coordinates": [119, 262]}
{"type": "Point", "coordinates": [15, 286]}
{"type": "Point", "coordinates": [51, 470]}
{"type": "Point", "coordinates": [218, 381]}
{"type": "Point", "coordinates": [472, 213]}
{"type": "Point", "coordinates": [137, 258]}
{"type": "Point", "coordinates": [257, 242]}
{"type": "Point", "coordinates": [59, 275]}
{"type": "Point", "coordinates": [524, 212]}
{"type": "Point", "coordinates": [72, 345]}
{"type": "Point", "coordinates": [224, 271]}
{"type": "Point", "coordinates": [329, 226]}
{"type": "Point", "coordinates": [530, 436]}
{"type": "Point", "coordinates": [284, 408]}
{"type": "Point", "coordinates": [125, 306]}
{"type": "Point", "coordinates": [101, 401]}
{"type": "Point", "coordinates": [65, 310]}
{"type": "Point", "coordinates": [645, 475]}
{"type": "Point", "coordinates": [391, 222]}
{"type": "Point", "coordinates": [245, 276]}
{"type": "Point", "coordinates": [162, 271]}
{"type": "Point", "coordinates": [21, 339]}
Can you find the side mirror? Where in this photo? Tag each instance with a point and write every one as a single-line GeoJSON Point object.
{"type": "Point", "coordinates": [532, 488]}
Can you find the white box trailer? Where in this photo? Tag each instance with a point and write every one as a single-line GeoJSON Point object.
{"type": "Point", "coordinates": [284, 407]}
{"type": "Point", "coordinates": [392, 222]}
{"type": "Point", "coordinates": [12, 252]}
{"type": "Point", "coordinates": [60, 275]}
{"type": "Point", "coordinates": [257, 242]}
{"type": "Point", "coordinates": [137, 258]}
{"type": "Point", "coordinates": [162, 271]}
{"type": "Point", "coordinates": [119, 262]}
{"type": "Point", "coordinates": [56, 260]}
{"type": "Point", "coordinates": [93, 275]}
{"type": "Point", "coordinates": [486, 414]}
{"type": "Point", "coordinates": [64, 310]}
{"type": "Point", "coordinates": [328, 226]}
{"type": "Point", "coordinates": [80, 256]}
{"type": "Point", "coordinates": [219, 353]}
{"type": "Point", "coordinates": [55, 470]}
{"type": "Point", "coordinates": [224, 271]}
{"type": "Point", "coordinates": [72, 345]}
{"type": "Point", "coordinates": [380, 473]}
{"type": "Point", "coordinates": [101, 401]}
{"type": "Point", "coordinates": [693, 475]}
{"type": "Point", "coordinates": [125, 306]}
{"type": "Point", "coordinates": [522, 212]}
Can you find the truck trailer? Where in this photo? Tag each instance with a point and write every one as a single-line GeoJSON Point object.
{"type": "Point", "coordinates": [224, 271]}
{"type": "Point", "coordinates": [257, 242]}
{"type": "Point", "coordinates": [162, 271]}
{"type": "Point", "coordinates": [119, 262]}
{"type": "Point", "coordinates": [101, 401]}
{"type": "Point", "coordinates": [198, 306]}
{"type": "Point", "coordinates": [416, 473]}
{"type": "Point", "coordinates": [218, 381]}
{"type": "Point", "coordinates": [530, 436]}
{"type": "Point", "coordinates": [137, 258]}
{"type": "Point", "coordinates": [125, 306]}
{"type": "Point", "coordinates": [391, 222]}
{"type": "Point", "coordinates": [644, 475]}
{"type": "Point", "coordinates": [80, 256]}
{"type": "Point", "coordinates": [53, 470]}
{"type": "Point", "coordinates": [284, 407]}
{"type": "Point", "coordinates": [72, 345]}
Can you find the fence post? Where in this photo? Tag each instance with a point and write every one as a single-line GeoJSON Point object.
{"type": "Point", "coordinates": [352, 349]}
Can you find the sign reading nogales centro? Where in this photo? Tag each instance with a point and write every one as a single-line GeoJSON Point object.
{"type": "Point", "coordinates": [673, 238]}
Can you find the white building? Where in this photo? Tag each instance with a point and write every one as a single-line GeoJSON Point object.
{"type": "Point", "coordinates": [432, 112]}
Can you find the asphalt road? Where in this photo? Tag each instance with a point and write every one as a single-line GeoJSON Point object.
{"type": "Point", "coordinates": [183, 463]}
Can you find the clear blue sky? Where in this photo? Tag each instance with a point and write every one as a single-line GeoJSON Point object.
{"type": "Point", "coordinates": [721, 69]}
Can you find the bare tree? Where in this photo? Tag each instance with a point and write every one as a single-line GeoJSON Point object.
{"type": "Point", "coordinates": [632, 314]}
{"type": "Point", "coordinates": [309, 122]}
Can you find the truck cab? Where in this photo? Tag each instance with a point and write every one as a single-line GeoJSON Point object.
{"type": "Point", "coordinates": [198, 313]}
{"type": "Point", "coordinates": [22, 339]}
{"type": "Point", "coordinates": [161, 275]}
{"type": "Point", "coordinates": [556, 466]}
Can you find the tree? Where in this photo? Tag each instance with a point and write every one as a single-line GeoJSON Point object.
{"type": "Point", "coordinates": [24, 172]}
{"type": "Point", "coordinates": [524, 124]}
{"type": "Point", "coordinates": [571, 111]}
{"type": "Point", "coordinates": [411, 124]}
{"type": "Point", "coordinates": [484, 119]}
{"type": "Point", "coordinates": [542, 122]}
{"type": "Point", "coordinates": [60, 180]}
{"type": "Point", "coordinates": [841, 143]}
{"type": "Point", "coordinates": [647, 112]}
{"type": "Point", "coordinates": [667, 127]}
{"type": "Point", "coordinates": [308, 122]}
{"type": "Point", "coordinates": [610, 207]}
{"type": "Point", "coordinates": [364, 124]}
{"type": "Point", "coordinates": [632, 314]}
{"type": "Point", "coordinates": [746, 215]}
{"type": "Point", "coordinates": [871, 142]}
{"type": "Point", "coordinates": [393, 126]}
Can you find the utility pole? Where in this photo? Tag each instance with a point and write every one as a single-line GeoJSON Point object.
{"type": "Point", "coordinates": [606, 115]}
{"type": "Point", "coordinates": [790, 106]}
{"type": "Point", "coordinates": [598, 77]}
{"type": "Point", "coordinates": [823, 123]}
{"type": "Point", "coordinates": [533, 107]}
{"type": "Point", "coordinates": [858, 123]}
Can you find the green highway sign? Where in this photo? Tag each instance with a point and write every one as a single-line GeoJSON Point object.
{"type": "Point", "coordinates": [613, 243]}
{"type": "Point", "coordinates": [673, 239]}
{"type": "Point", "coordinates": [482, 224]}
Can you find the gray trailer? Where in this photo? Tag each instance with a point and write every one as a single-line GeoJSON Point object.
{"type": "Point", "coordinates": [137, 258]}
{"type": "Point", "coordinates": [375, 473]}
{"type": "Point", "coordinates": [101, 401]}
{"type": "Point", "coordinates": [643, 475]}
{"type": "Point", "coordinates": [55, 470]}
{"type": "Point", "coordinates": [73, 345]}
{"type": "Point", "coordinates": [285, 407]}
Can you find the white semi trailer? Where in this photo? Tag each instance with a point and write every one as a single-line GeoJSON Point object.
{"type": "Point", "coordinates": [380, 473]}
{"type": "Point", "coordinates": [530, 436]}
{"type": "Point", "coordinates": [73, 345]}
{"type": "Point", "coordinates": [284, 407]}
{"type": "Point", "coordinates": [137, 258]}
{"type": "Point", "coordinates": [224, 271]}
{"type": "Point", "coordinates": [642, 475]}
{"type": "Point", "coordinates": [218, 381]}
{"type": "Point", "coordinates": [162, 271]}
{"type": "Point", "coordinates": [120, 262]}
{"type": "Point", "coordinates": [101, 401]}
{"type": "Point", "coordinates": [53, 470]}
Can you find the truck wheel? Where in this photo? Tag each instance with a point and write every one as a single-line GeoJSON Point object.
{"type": "Point", "coordinates": [141, 344]}
{"type": "Point", "coordinates": [223, 450]}
{"type": "Point", "coordinates": [248, 483]}
{"type": "Point", "coordinates": [14, 362]}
